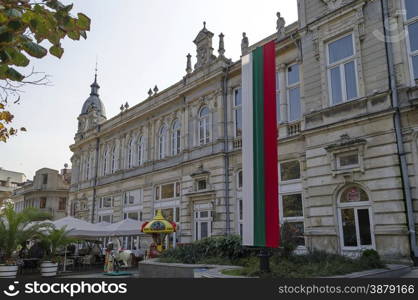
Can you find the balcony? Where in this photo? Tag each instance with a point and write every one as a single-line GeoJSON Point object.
{"type": "Point", "coordinates": [237, 143]}
{"type": "Point", "coordinates": [293, 129]}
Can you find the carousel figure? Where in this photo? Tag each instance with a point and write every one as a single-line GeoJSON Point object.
{"type": "Point", "coordinates": [158, 228]}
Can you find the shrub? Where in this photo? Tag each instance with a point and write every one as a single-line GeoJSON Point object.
{"type": "Point", "coordinates": [214, 249]}
{"type": "Point", "coordinates": [371, 259]}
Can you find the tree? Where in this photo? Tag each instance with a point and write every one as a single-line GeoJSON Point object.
{"type": "Point", "coordinates": [18, 227]}
{"type": "Point", "coordinates": [30, 29]}
{"type": "Point", "coordinates": [53, 240]}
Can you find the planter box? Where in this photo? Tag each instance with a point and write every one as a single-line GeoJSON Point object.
{"type": "Point", "coordinates": [8, 271]}
{"type": "Point", "coordinates": [49, 269]}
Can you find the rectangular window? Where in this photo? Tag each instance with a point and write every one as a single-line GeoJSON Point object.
{"type": "Point", "coordinates": [278, 97]}
{"type": "Point", "coordinates": [240, 179]}
{"type": "Point", "coordinates": [44, 178]}
{"type": "Point", "coordinates": [238, 112]}
{"type": "Point", "coordinates": [293, 91]}
{"type": "Point", "coordinates": [167, 191]}
{"type": "Point", "coordinates": [42, 203]}
{"type": "Point", "coordinates": [347, 160]}
{"type": "Point", "coordinates": [411, 8]}
{"type": "Point", "coordinates": [133, 197]}
{"type": "Point", "coordinates": [241, 210]}
{"type": "Point", "coordinates": [106, 219]}
{"type": "Point", "coordinates": [342, 71]}
{"type": "Point", "coordinates": [292, 206]}
{"type": "Point", "coordinates": [201, 185]}
{"type": "Point", "coordinates": [132, 216]}
{"type": "Point", "coordinates": [62, 205]}
{"type": "Point", "coordinates": [106, 202]}
{"type": "Point", "coordinates": [290, 170]}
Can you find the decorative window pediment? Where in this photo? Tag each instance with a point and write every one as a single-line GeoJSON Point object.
{"type": "Point", "coordinates": [347, 156]}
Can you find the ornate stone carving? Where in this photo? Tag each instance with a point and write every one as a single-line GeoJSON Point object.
{"type": "Point", "coordinates": [221, 49]}
{"type": "Point", "coordinates": [244, 44]}
{"type": "Point", "coordinates": [204, 49]}
{"type": "Point", "coordinates": [333, 4]}
{"type": "Point", "coordinates": [280, 25]}
{"type": "Point", "coordinates": [189, 64]}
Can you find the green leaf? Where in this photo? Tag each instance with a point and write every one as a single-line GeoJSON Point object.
{"type": "Point", "coordinates": [83, 22]}
{"type": "Point", "coordinates": [56, 51]}
{"type": "Point", "coordinates": [74, 35]}
{"type": "Point", "coordinates": [16, 57]}
{"type": "Point", "coordinates": [3, 18]}
{"type": "Point", "coordinates": [14, 75]}
{"type": "Point", "coordinates": [34, 49]}
{"type": "Point", "coordinates": [3, 71]}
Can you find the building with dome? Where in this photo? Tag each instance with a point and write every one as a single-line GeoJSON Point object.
{"type": "Point", "coordinates": [348, 124]}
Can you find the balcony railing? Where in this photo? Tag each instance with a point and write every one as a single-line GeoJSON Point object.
{"type": "Point", "coordinates": [237, 143]}
{"type": "Point", "coordinates": [293, 129]}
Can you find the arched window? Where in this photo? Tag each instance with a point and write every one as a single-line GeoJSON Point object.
{"type": "Point", "coordinates": [130, 153]}
{"type": "Point", "coordinates": [204, 126]}
{"type": "Point", "coordinates": [175, 139]}
{"type": "Point", "coordinates": [355, 214]}
{"type": "Point", "coordinates": [141, 151]}
{"type": "Point", "coordinates": [113, 161]}
{"type": "Point", "coordinates": [105, 159]}
{"type": "Point", "coordinates": [162, 142]}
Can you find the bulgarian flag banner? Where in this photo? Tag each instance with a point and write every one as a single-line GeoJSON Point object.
{"type": "Point", "coordinates": [261, 226]}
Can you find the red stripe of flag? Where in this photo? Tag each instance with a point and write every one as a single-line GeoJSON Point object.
{"type": "Point", "coordinates": [270, 148]}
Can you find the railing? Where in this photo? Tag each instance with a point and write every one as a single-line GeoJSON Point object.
{"type": "Point", "coordinates": [237, 143]}
{"type": "Point", "coordinates": [293, 129]}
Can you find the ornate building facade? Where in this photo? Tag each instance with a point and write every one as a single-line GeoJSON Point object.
{"type": "Point", "coordinates": [347, 94]}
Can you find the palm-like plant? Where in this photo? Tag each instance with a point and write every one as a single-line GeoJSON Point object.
{"type": "Point", "coordinates": [18, 227]}
{"type": "Point", "coordinates": [53, 240]}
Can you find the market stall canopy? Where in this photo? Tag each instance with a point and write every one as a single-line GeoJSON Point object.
{"type": "Point", "coordinates": [126, 227]}
{"type": "Point", "coordinates": [80, 228]}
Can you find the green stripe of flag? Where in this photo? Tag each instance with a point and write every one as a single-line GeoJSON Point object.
{"type": "Point", "coordinates": [258, 113]}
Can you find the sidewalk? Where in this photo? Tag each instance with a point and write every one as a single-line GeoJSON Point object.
{"type": "Point", "coordinates": [412, 274]}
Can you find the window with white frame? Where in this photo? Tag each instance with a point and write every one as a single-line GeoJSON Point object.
{"type": "Point", "coordinates": [113, 161]}
{"type": "Point", "coordinates": [171, 214]}
{"type": "Point", "coordinates": [204, 137]}
{"type": "Point", "coordinates": [162, 142]}
{"type": "Point", "coordinates": [141, 150]}
{"type": "Point", "coordinates": [348, 160]}
{"type": "Point", "coordinates": [133, 197]}
{"type": "Point", "coordinates": [278, 113]}
{"type": "Point", "coordinates": [167, 191]}
{"type": "Point", "coordinates": [88, 167]}
{"type": "Point", "coordinates": [342, 70]}
{"type": "Point", "coordinates": [411, 7]}
{"type": "Point", "coordinates": [176, 138]}
{"type": "Point", "coordinates": [105, 160]}
{"type": "Point", "coordinates": [137, 215]}
{"type": "Point", "coordinates": [293, 92]}
{"type": "Point", "coordinates": [203, 224]}
{"type": "Point", "coordinates": [240, 216]}
{"type": "Point", "coordinates": [354, 210]}
{"type": "Point", "coordinates": [130, 153]}
{"type": "Point", "coordinates": [237, 109]}
{"type": "Point", "coordinates": [106, 202]}
{"type": "Point", "coordinates": [290, 170]}
{"type": "Point", "coordinates": [106, 219]}
{"type": "Point", "coordinates": [292, 219]}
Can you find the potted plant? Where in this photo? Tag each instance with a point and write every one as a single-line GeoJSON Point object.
{"type": "Point", "coordinates": [15, 229]}
{"type": "Point", "coordinates": [53, 240]}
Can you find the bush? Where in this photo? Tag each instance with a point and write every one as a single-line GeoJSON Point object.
{"type": "Point", "coordinates": [371, 258]}
{"type": "Point", "coordinates": [227, 249]}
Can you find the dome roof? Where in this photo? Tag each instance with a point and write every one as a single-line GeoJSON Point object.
{"type": "Point", "coordinates": [94, 102]}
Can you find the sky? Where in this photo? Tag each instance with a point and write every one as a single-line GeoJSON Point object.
{"type": "Point", "coordinates": [138, 44]}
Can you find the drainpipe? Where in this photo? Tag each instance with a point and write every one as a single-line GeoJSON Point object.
{"type": "Point", "coordinates": [226, 157]}
{"type": "Point", "coordinates": [398, 130]}
{"type": "Point", "coordinates": [96, 174]}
